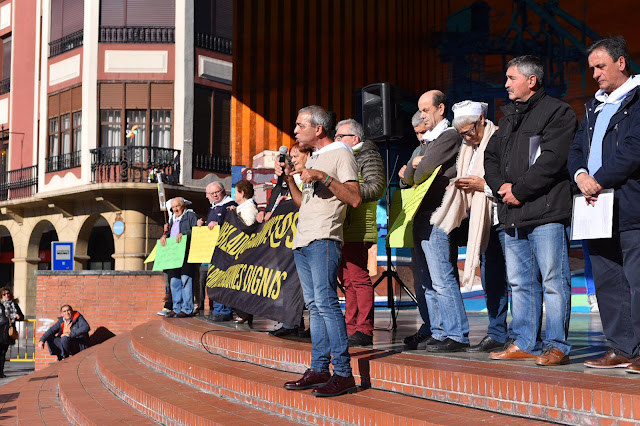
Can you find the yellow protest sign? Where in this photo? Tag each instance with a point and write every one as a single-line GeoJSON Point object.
{"type": "Point", "coordinates": [152, 255]}
{"type": "Point", "coordinates": [401, 233]}
{"type": "Point", "coordinates": [203, 242]}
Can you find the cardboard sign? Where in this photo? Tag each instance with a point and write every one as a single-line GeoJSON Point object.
{"type": "Point", "coordinates": [203, 242]}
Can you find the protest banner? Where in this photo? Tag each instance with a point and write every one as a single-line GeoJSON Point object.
{"type": "Point", "coordinates": [253, 268]}
{"type": "Point", "coordinates": [171, 255]}
{"type": "Point", "coordinates": [203, 242]}
{"type": "Point", "coordinates": [401, 233]}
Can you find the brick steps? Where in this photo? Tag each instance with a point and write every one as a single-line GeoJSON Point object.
{"type": "Point", "coordinates": [512, 388]}
{"type": "Point", "coordinates": [167, 400]}
{"type": "Point", "coordinates": [262, 387]}
{"type": "Point", "coordinates": [86, 401]}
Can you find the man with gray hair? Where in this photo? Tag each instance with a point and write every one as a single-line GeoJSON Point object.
{"type": "Point", "coordinates": [360, 233]}
{"type": "Point", "coordinates": [526, 168]}
{"type": "Point", "coordinates": [330, 183]}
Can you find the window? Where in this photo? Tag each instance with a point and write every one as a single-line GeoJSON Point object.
{"type": "Point", "coordinates": [65, 129]}
{"type": "Point", "coordinates": [77, 129]}
{"type": "Point", "coordinates": [67, 17]}
{"type": "Point", "coordinates": [136, 127]}
{"type": "Point", "coordinates": [54, 136]}
{"type": "Point", "coordinates": [135, 13]}
{"type": "Point", "coordinates": [161, 128]}
{"type": "Point", "coordinates": [110, 128]}
{"type": "Point", "coordinates": [6, 58]}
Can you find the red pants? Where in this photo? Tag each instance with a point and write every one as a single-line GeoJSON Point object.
{"type": "Point", "coordinates": [358, 288]}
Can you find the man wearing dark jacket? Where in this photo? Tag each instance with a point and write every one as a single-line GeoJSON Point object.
{"type": "Point", "coordinates": [605, 154]}
{"type": "Point", "coordinates": [68, 336]}
{"type": "Point", "coordinates": [534, 209]}
{"type": "Point", "coordinates": [360, 233]}
{"type": "Point", "coordinates": [181, 279]}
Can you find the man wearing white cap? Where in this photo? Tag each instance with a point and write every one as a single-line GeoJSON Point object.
{"type": "Point", "coordinates": [468, 194]}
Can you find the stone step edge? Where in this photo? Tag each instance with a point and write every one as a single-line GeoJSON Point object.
{"type": "Point", "coordinates": [116, 384]}
{"type": "Point", "coordinates": [181, 369]}
{"type": "Point", "coordinates": [85, 408]}
{"type": "Point", "coordinates": [437, 378]}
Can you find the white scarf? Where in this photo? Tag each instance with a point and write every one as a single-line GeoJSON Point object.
{"type": "Point", "coordinates": [431, 135]}
{"type": "Point", "coordinates": [617, 95]}
{"type": "Point", "coordinates": [457, 202]}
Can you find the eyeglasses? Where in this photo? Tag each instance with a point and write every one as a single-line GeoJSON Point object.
{"type": "Point", "coordinates": [340, 136]}
{"type": "Point", "coordinates": [470, 132]}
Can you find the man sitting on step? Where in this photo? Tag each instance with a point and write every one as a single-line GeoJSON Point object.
{"type": "Point", "coordinates": [68, 336]}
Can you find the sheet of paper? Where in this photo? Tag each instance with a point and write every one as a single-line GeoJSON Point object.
{"type": "Point", "coordinates": [203, 242]}
{"type": "Point", "coordinates": [152, 255]}
{"type": "Point", "coordinates": [592, 222]}
{"type": "Point", "coordinates": [170, 256]}
{"type": "Point", "coordinates": [534, 149]}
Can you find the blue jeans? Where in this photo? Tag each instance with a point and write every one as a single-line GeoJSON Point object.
{"type": "Point", "coordinates": [421, 277]}
{"type": "Point", "coordinates": [442, 256]}
{"type": "Point", "coordinates": [220, 309]}
{"type": "Point", "coordinates": [494, 283]}
{"type": "Point", "coordinates": [182, 293]}
{"type": "Point", "coordinates": [317, 266]}
{"type": "Point", "coordinates": [537, 260]}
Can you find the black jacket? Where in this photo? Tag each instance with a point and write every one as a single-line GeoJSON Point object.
{"type": "Point", "coordinates": [79, 330]}
{"type": "Point", "coordinates": [544, 189]}
{"type": "Point", "coordinates": [620, 157]}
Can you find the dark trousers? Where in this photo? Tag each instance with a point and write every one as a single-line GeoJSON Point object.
{"type": "Point", "coordinates": [421, 275]}
{"type": "Point", "coordinates": [616, 274]}
{"type": "Point", "coordinates": [3, 353]}
{"type": "Point", "coordinates": [64, 346]}
{"type": "Point", "coordinates": [496, 288]}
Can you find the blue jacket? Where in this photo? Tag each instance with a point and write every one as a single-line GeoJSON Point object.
{"type": "Point", "coordinates": [79, 330]}
{"type": "Point", "coordinates": [620, 157]}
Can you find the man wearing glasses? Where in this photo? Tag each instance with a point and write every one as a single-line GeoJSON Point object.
{"type": "Point", "coordinates": [68, 336]}
{"type": "Point", "coordinates": [220, 202]}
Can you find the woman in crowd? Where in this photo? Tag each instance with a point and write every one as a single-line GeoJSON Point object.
{"type": "Point", "coordinates": [9, 313]}
{"type": "Point", "coordinates": [469, 195]}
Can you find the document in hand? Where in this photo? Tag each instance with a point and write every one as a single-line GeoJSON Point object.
{"type": "Point", "coordinates": [592, 222]}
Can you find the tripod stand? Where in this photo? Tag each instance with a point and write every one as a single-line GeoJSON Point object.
{"type": "Point", "coordinates": [391, 273]}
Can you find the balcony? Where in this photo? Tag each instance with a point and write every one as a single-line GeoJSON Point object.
{"type": "Point", "coordinates": [163, 35]}
{"type": "Point", "coordinates": [215, 43]}
{"type": "Point", "coordinates": [66, 43]}
{"type": "Point", "coordinates": [63, 162]}
{"type": "Point", "coordinates": [21, 183]}
{"type": "Point", "coordinates": [212, 163]}
{"type": "Point", "coordinates": [5, 86]}
{"type": "Point", "coordinates": [133, 164]}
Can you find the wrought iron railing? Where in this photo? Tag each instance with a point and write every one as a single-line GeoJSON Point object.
{"type": "Point", "coordinates": [133, 163]}
{"type": "Point", "coordinates": [66, 43]}
{"type": "Point", "coordinates": [5, 86]}
{"type": "Point", "coordinates": [215, 43]}
{"type": "Point", "coordinates": [137, 34]}
{"type": "Point", "coordinates": [21, 183]}
{"type": "Point", "coordinates": [212, 163]}
{"type": "Point", "coordinates": [63, 162]}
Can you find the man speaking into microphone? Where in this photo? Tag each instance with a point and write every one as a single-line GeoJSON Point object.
{"type": "Point", "coordinates": [330, 183]}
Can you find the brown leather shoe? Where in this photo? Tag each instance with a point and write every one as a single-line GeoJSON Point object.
{"type": "Point", "coordinates": [611, 359]}
{"type": "Point", "coordinates": [634, 367]}
{"type": "Point", "coordinates": [337, 385]}
{"type": "Point", "coordinates": [310, 379]}
{"type": "Point", "coordinates": [551, 357]}
{"type": "Point", "coordinates": [512, 353]}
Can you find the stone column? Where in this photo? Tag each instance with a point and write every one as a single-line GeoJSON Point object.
{"type": "Point", "coordinates": [130, 247]}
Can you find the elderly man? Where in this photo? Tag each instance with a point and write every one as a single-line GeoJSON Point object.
{"type": "Point", "coordinates": [534, 209]}
{"type": "Point", "coordinates": [469, 195]}
{"type": "Point", "coordinates": [360, 233]}
{"type": "Point", "coordinates": [419, 267]}
{"type": "Point", "coordinates": [220, 202]}
{"type": "Point", "coordinates": [330, 183]}
{"type": "Point", "coordinates": [180, 279]}
{"type": "Point", "coordinates": [68, 336]}
{"type": "Point", "coordinates": [605, 154]}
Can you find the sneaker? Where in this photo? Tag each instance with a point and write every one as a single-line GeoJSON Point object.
{"type": "Point", "coordinates": [593, 303]}
{"type": "Point", "coordinates": [414, 340]}
{"type": "Point", "coordinates": [163, 312]}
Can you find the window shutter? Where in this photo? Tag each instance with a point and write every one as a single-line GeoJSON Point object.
{"type": "Point", "coordinates": [137, 96]}
{"type": "Point", "coordinates": [76, 98]}
{"type": "Point", "coordinates": [224, 19]}
{"type": "Point", "coordinates": [139, 13]}
{"type": "Point", "coordinates": [111, 95]}
{"type": "Point", "coordinates": [72, 16]}
{"type": "Point", "coordinates": [112, 13]}
{"type": "Point", "coordinates": [65, 102]}
{"type": "Point", "coordinates": [54, 106]}
{"type": "Point", "coordinates": [6, 58]}
{"type": "Point", "coordinates": [55, 32]}
{"type": "Point", "coordinates": [161, 96]}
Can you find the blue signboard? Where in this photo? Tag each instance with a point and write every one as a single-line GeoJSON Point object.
{"type": "Point", "coordinates": [61, 256]}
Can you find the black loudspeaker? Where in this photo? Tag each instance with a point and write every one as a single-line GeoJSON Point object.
{"type": "Point", "coordinates": [386, 111]}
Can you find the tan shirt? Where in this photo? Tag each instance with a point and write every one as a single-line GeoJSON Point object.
{"type": "Point", "coordinates": [322, 213]}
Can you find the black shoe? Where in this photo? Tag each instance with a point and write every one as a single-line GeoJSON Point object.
{"type": "Point", "coordinates": [284, 332]}
{"type": "Point", "coordinates": [508, 343]}
{"type": "Point", "coordinates": [182, 314]}
{"type": "Point", "coordinates": [219, 317]}
{"type": "Point", "coordinates": [337, 385]}
{"type": "Point", "coordinates": [486, 345]}
{"type": "Point", "coordinates": [360, 339]}
{"type": "Point", "coordinates": [447, 345]}
{"type": "Point", "coordinates": [304, 334]}
{"type": "Point", "coordinates": [414, 340]}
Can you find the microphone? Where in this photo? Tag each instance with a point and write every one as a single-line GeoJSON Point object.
{"type": "Point", "coordinates": [281, 159]}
